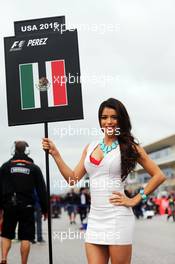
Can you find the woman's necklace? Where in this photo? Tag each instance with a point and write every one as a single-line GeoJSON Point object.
{"type": "Point", "coordinates": [106, 149]}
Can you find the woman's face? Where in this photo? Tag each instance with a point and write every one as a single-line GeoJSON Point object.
{"type": "Point", "coordinates": [109, 121]}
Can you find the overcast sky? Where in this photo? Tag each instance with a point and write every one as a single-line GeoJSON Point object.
{"type": "Point", "coordinates": [138, 56]}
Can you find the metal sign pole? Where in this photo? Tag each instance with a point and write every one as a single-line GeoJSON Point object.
{"type": "Point", "coordinates": [48, 197]}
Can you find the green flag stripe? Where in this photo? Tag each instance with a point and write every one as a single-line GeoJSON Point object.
{"type": "Point", "coordinates": [27, 86]}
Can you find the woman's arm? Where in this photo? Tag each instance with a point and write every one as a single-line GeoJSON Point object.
{"type": "Point", "coordinates": [71, 176]}
{"type": "Point", "coordinates": [157, 178]}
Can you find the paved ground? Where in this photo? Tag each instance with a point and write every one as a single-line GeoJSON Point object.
{"type": "Point", "coordinates": [154, 243]}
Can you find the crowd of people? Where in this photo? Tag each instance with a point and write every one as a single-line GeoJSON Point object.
{"type": "Point", "coordinates": [78, 203]}
{"type": "Point", "coordinates": [74, 203]}
{"type": "Point", "coordinates": [155, 205]}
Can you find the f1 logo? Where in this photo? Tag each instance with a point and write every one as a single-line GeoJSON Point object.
{"type": "Point", "coordinates": [17, 45]}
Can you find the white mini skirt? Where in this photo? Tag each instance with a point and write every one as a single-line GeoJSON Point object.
{"type": "Point", "coordinates": [107, 227]}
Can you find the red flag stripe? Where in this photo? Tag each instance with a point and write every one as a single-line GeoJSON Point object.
{"type": "Point", "coordinates": [59, 83]}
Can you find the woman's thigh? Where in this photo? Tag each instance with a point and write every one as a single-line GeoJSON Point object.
{"type": "Point", "coordinates": [120, 254]}
{"type": "Point", "coordinates": [97, 254]}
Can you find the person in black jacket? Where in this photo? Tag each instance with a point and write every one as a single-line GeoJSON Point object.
{"type": "Point", "coordinates": [19, 177]}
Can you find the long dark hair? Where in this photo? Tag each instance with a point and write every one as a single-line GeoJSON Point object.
{"type": "Point", "coordinates": [129, 152]}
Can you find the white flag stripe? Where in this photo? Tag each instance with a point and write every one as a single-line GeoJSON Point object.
{"type": "Point", "coordinates": [50, 89]}
{"type": "Point", "coordinates": [35, 85]}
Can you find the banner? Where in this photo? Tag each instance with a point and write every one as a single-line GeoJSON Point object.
{"type": "Point", "coordinates": [43, 78]}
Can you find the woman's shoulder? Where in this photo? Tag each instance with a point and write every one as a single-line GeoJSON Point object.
{"type": "Point", "coordinates": [93, 143]}
{"type": "Point", "coordinates": [90, 145]}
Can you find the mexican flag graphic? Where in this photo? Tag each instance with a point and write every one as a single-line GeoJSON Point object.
{"type": "Point", "coordinates": [30, 90]}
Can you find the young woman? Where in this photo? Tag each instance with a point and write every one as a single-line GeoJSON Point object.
{"type": "Point", "coordinates": [108, 162]}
